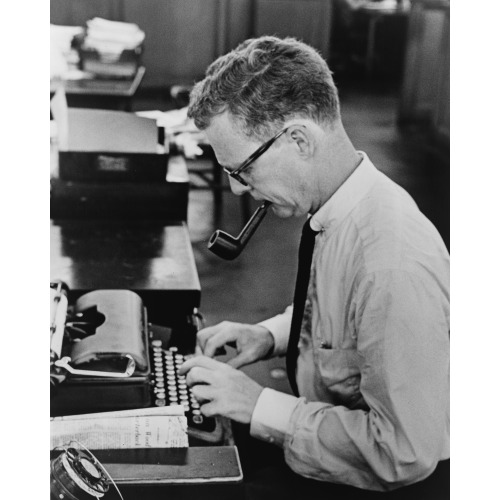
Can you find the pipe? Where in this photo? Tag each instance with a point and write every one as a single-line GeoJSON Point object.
{"type": "Point", "coordinates": [228, 247]}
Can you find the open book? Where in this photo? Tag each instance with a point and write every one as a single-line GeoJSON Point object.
{"type": "Point", "coordinates": [163, 427]}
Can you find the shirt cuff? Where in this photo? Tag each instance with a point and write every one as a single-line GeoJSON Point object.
{"type": "Point", "coordinates": [279, 326]}
{"type": "Point", "coordinates": [271, 416]}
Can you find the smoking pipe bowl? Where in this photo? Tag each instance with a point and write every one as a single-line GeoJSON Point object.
{"type": "Point", "coordinates": [228, 247]}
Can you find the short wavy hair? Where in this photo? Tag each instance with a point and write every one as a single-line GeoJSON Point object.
{"type": "Point", "coordinates": [262, 83]}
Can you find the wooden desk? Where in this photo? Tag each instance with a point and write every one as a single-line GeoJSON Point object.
{"type": "Point", "coordinates": [101, 93]}
{"type": "Point", "coordinates": [153, 260]}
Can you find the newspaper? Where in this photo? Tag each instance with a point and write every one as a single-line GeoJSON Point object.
{"type": "Point", "coordinates": [164, 427]}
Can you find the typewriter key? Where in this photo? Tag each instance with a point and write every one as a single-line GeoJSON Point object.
{"type": "Point", "coordinates": [160, 402]}
{"type": "Point", "coordinates": [156, 343]}
{"type": "Point", "coordinates": [197, 419]}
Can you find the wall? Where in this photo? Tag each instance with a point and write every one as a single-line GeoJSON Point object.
{"type": "Point", "coordinates": [426, 84]}
{"type": "Point", "coordinates": [184, 36]}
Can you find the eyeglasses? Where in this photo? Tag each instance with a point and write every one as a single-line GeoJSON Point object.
{"type": "Point", "coordinates": [235, 174]}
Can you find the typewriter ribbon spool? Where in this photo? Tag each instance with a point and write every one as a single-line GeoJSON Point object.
{"type": "Point", "coordinates": [77, 475]}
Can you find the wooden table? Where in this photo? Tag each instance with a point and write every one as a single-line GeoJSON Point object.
{"type": "Point", "coordinates": [101, 93]}
{"type": "Point", "coordinates": [151, 259]}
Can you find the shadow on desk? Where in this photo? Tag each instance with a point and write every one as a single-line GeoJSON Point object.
{"type": "Point", "coordinates": [268, 477]}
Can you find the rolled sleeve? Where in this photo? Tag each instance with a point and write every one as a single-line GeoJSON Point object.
{"type": "Point", "coordinates": [279, 326]}
{"type": "Point", "coordinates": [271, 416]}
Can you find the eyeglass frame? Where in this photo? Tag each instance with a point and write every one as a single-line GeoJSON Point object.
{"type": "Point", "coordinates": [235, 174]}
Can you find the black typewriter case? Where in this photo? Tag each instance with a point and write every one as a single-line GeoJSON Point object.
{"type": "Point", "coordinates": [88, 394]}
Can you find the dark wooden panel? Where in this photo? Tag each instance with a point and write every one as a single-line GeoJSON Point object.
{"type": "Point", "coordinates": [181, 37]}
{"type": "Point", "coordinates": [307, 20]}
{"type": "Point", "coordinates": [239, 22]}
{"type": "Point", "coordinates": [425, 55]}
{"type": "Point", "coordinates": [78, 12]}
{"type": "Point", "coordinates": [152, 260]}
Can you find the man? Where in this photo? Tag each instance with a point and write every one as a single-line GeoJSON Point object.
{"type": "Point", "coordinates": [373, 359]}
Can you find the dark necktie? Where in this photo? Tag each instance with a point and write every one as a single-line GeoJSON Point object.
{"type": "Point", "coordinates": [299, 300]}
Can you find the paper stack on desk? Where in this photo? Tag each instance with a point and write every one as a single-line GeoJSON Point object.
{"type": "Point", "coordinates": [163, 427]}
{"type": "Point", "coordinates": [110, 49]}
{"type": "Point", "coordinates": [112, 37]}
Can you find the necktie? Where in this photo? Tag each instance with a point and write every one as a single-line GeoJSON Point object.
{"type": "Point", "coordinates": [306, 248]}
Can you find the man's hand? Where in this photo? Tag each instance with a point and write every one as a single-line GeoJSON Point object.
{"type": "Point", "coordinates": [253, 342]}
{"type": "Point", "coordinates": [221, 389]}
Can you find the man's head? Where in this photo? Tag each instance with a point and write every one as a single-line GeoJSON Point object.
{"type": "Point", "coordinates": [264, 82]}
{"type": "Point", "coordinates": [263, 87]}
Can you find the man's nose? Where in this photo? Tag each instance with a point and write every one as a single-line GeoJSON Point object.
{"type": "Point", "coordinates": [237, 187]}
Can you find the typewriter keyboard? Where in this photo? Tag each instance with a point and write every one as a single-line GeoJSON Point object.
{"type": "Point", "coordinates": [170, 388]}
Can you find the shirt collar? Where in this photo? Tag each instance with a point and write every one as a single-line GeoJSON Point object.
{"type": "Point", "coordinates": [347, 196]}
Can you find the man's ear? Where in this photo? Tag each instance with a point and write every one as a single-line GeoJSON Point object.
{"type": "Point", "coordinates": [304, 140]}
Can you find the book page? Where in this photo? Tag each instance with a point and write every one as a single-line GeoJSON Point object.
{"type": "Point", "coordinates": [154, 431]}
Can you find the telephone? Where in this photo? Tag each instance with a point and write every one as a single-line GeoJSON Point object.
{"type": "Point", "coordinates": [105, 356]}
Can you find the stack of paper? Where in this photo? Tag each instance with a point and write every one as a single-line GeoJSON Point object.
{"type": "Point", "coordinates": [163, 427]}
{"type": "Point", "coordinates": [112, 37]}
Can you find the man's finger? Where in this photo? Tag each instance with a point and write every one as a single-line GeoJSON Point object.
{"type": "Point", "coordinates": [199, 375]}
{"type": "Point", "coordinates": [218, 340]}
{"type": "Point", "coordinates": [243, 358]}
{"type": "Point", "coordinates": [198, 351]}
{"type": "Point", "coordinates": [240, 360]}
{"type": "Point", "coordinates": [209, 409]}
{"type": "Point", "coordinates": [204, 334]}
{"type": "Point", "coordinates": [202, 393]}
{"type": "Point", "coordinates": [202, 361]}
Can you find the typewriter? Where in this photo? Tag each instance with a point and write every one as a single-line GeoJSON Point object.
{"type": "Point", "coordinates": [105, 356]}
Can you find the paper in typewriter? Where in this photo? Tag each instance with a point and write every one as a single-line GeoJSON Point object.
{"type": "Point", "coordinates": [119, 431]}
